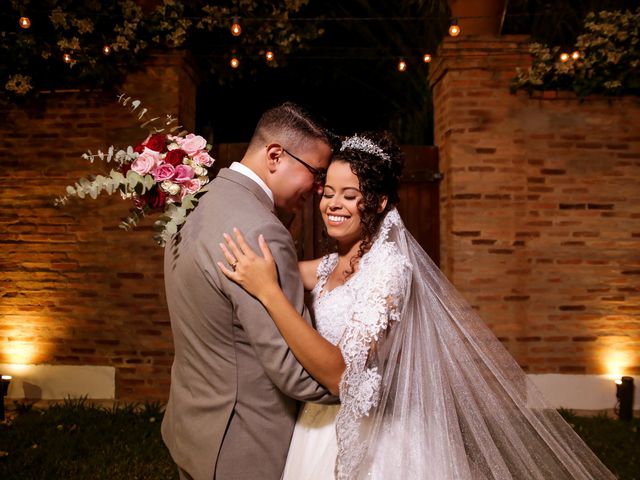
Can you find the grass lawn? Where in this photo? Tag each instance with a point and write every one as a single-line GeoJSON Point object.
{"type": "Point", "coordinates": [77, 440]}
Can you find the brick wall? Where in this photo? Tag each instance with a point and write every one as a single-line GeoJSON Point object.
{"type": "Point", "coordinates": [75, 289]}
{"type": "Point", "coordinates": [540, 210]}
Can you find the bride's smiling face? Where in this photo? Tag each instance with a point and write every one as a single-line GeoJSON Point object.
{"type": "Point", "coordinates": [341, 203]}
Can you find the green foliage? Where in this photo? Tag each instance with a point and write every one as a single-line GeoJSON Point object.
{"type": "Point", "coordinates": [78, 440]}
{"type": "Point", "coordinates": [81, 29]}
{"type": "Point", "coordinates": [615, 442]}
{"type": "Point", "coordinates": [608, 59]}
{"type": "Point", "coordinates": [75, 439]}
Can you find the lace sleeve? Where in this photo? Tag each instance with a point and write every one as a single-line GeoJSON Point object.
{"type": "Point", "coordinates": [378, 296]}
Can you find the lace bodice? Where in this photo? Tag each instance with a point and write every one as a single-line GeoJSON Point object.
{"type": "Point", "coordinates": [333, 308]}
{"type": "Point", "coordinates": [354, 316]}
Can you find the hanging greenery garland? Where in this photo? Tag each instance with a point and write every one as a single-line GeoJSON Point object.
{"type": "Point", "coordinates": [605, 59]}
{"type": "Point", "coordinates": [57, 44]}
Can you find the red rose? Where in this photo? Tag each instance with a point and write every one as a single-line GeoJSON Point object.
{"type": "Point", "coordinates": [155, 198]}
{"type": "Point", "coordinates": [157, 143]}
{"type": "Point", "coordinates": [174, 157]}
{"type": "Point", "coordinates": [138, 148]}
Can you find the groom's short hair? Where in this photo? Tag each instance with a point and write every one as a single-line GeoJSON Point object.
{"type": "Point", "coordinates": [290, 125]}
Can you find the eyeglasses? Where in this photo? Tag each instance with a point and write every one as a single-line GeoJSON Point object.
{"type": "Point", "coordinates": [319, 174]}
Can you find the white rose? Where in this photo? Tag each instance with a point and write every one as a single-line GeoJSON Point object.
{"type": "Point", "coordinates": [170, 187]}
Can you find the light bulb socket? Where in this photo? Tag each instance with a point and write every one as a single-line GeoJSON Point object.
{"type": "Point", "coordinates": [454, 28]}
{"type": "Point", "coordinates": [236, 28]}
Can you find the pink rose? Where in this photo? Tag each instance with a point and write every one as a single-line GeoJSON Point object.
{"type": "Point", "coordinates": [152, 153]}
{"type": "Point", "coordinates": [190, 187]}
{"type": "Point", "coordinates": [203, 158]}
{"type": "Point", "coordinates": [192, 143]}
{"type": "Point", "coordinates": [184, 173]}
{"type": "Point", "coordinates": [163, 172]}
{"type": "Point", "coordinates": [175, 139]}
{"type": "Point", "coordinates": [144, 163]}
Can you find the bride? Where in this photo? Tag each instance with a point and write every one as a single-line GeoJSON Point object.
{"type": "Point", "coordinates": [426, 390]}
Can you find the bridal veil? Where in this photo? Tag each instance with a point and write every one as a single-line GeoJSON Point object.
{"type": "Point", "coordinates": [430, 393]}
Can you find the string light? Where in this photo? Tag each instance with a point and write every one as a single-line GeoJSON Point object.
{"type": "Point", "coordinates": [269, 56]}
{"type": "Point", "coordinates": [426, 58]}
{"type": "Point", "coordinates": [402, 65]}
{"type": "Point", "coordinates": [454, 28]}
{"type": "Point", "coordinates": [235, 63]}
{"type": "Point", "coordinates": [564, 57]}
{"type": "Point", "coordinates": [236, 29]}
{"type": "Point", "coordinates": [575, 55]}
{"type": "Point", "coordinates": [24, 22]}
{"type": "Point", "coordinates": [106, 49]}
{"type": "Point", "coordinates": [66, 58]}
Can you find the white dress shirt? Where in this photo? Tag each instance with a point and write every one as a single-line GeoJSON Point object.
{"type": "Point", "coordinates": [247, 172]}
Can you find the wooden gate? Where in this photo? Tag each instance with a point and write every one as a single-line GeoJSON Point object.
{"type": "Point", "coordinates": [419, 201]}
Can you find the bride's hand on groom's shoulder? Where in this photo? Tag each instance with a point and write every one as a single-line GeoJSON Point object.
{"type": "Point", "coordinates": [257, 274]}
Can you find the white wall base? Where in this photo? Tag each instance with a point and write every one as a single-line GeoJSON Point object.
{"type": "Point", "coordinates": [56, 382]}
{"type": "Point", "coordinates": [580, 392]}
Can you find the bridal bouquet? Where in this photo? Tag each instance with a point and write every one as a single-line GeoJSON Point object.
{"type": "Point", "coordinates": [163, 172]}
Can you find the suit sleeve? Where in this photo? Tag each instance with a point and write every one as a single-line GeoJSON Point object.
{"type": "Point", "coordinates": [279, 363]}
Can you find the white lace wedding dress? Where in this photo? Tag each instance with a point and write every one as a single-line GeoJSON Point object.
{"type": "Point", "coordinates": [428, 391]}
{"type": "Point", "coordinates": [373, 294]}
{"type": "Point", "coordinates": [313, 450]}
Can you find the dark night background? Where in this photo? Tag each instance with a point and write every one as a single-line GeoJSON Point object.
{"type": "Point", "coordinates": [349, 76]}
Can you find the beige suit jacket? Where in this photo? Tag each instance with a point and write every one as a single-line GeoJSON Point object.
{"type": "Point", "coordinates": [234, 382]}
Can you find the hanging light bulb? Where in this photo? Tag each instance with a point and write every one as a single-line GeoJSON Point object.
{"type": "Point", "coordinates": [236, 29]}
{"type": "Point", "coordinates": [106, 49]}
{"type": "Point", "coordinates": [575, 55]}
{"type": "Point", "coordinates": [234, 62]}
{"type": "Point", "coordinates": [24, 22]}
{"type": "Point", "coordinates": [269, 56]}
{"type": "Point", "coordinates": [564, 57]}
{"type": "Point", "coordinates": [454, 28]}
{"type": "Point", "coordinates": [402, 65]}
{"type": "Point", "coordinates": [426, 58]}
{"type": "Point", "coordinates": [66, 58]}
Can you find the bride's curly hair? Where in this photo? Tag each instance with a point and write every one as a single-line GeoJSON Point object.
{"type": "Point", "coordinates": [379, 176]}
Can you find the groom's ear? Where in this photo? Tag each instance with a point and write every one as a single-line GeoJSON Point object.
{"type": "Point", "coordinates": [274, 152]}
{"type": "Point", "coordinates": [382, 204]}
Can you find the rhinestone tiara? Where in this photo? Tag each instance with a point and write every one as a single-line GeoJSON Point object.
{"type": "Point", "coordinates": [364, 145]}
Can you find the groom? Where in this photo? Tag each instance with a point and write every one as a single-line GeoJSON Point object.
{"type": "Point", "coordinates": [234, 382]}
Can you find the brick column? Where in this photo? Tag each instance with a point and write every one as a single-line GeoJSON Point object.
{"type": "Point", "coordinates": [540, 210]}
